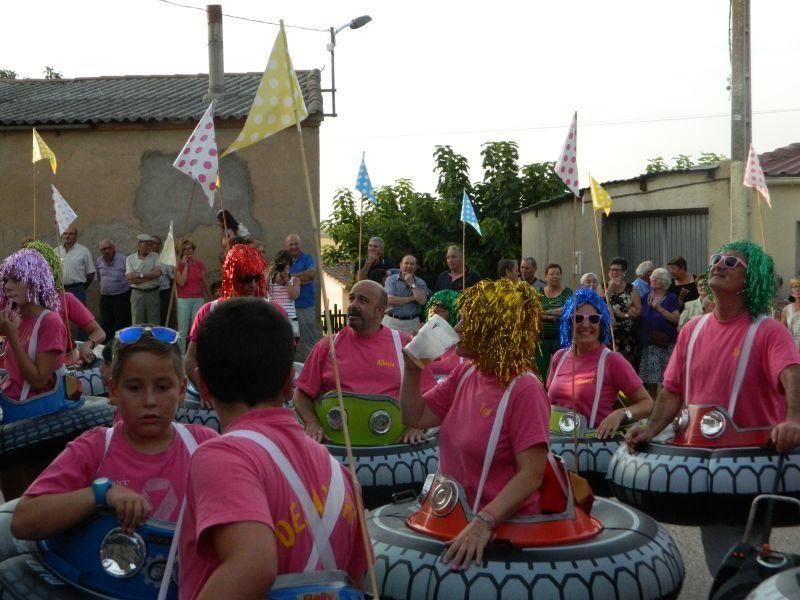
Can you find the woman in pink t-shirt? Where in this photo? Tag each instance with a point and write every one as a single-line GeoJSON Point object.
{"type": "Point", "coordinates": [597, 375]}
{"type": "Point", "coordinates": [500, 327]}
{"type": "Point", "coordinates": [138, 467]}
{"type": "Point", "coordinates": [35, 336]}
{"type": "Point", "coordinates": [191, 287]}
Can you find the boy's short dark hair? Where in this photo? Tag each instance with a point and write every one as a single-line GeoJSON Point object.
{"type": "Point", "coordinates": [245, 351]}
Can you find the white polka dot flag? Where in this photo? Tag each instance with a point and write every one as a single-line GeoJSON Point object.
{"type": "Point", "coordinates": [198, 158]}
{"type": "Point", "coordinates": [754, 175]}
{"type": "Point", "coordinates": [600, 197]}
{"type": "Point", "coordinates": [65, 216]}
{"type": "Point", "coordinates": [273, 107]}
{"type": "Point", "coordinates": [468, 213]}
{"type": "Point", "coordinates": [567, 163]}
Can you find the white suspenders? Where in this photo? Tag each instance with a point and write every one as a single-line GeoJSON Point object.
{"type": "Point", "coordinates": [398, 349]}
{"type": "Point", "coordinates": [494, 435]}
{"type": "Point", "coordinates": [32, 345]}
{"type": "Point", "coordinates": [599, 377]}
{"type": "Point", "coordinates": [741, 365]}
{"type": "Point", "coordinates": [321, 528]}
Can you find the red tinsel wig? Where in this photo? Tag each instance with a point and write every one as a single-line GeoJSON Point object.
{"type": "Point", "coordinates": [242, 260]}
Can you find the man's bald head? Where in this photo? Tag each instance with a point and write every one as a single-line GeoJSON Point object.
{"type": "Point", "coordinates": [368, 302]}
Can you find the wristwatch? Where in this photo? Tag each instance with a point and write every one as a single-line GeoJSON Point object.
{"type": "Point", "coordinates": [100, 487]}
{"type": "Point", "coordinates": [628, 413]}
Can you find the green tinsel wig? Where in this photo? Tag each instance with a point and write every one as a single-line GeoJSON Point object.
{"type": "Point", "coordinates": [50, 255]}
{"type": "Point", "coordinates": [760, 279]}
{"type": "Point", "coordinates": [501, 326]}
{"type": "Point", "coordinates": [448, 299]}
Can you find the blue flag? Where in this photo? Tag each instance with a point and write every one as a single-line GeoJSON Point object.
{"type": "Point", "coordinates": [363, 183]}
{"type": "Point", "coordinates": [468, 214]}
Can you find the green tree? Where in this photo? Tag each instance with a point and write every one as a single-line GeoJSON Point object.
{"type": "Point", "coordinates": [51, 73]}
{"type": "Point", "coordinates": [424, 225]}
{"type": "Point", "coordinates": [682, 161]}
{"type": "Point", "coordinates": [656, 165]}
{"type": "Point", "coordinates": [7, 74]}
{"type": "Point", "coordinates": [710, 158]}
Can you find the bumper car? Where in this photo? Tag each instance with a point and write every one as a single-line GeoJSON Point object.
{"type": "Point", "coordinates": [709, 470]}
{"type": "Point", "coordinates": [594, 455]}
{"type": "Point", "coordinates": [98, 560]}
{"type": "Point", "coordinates": [569, 551]}
{"type": "Point", "coordinates": [384, 465]}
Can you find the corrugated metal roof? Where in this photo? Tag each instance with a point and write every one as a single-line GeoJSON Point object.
{"type": "Point", "coordinates": [781, 161]}
{"type": "Point", "coordinates": [132, 98]}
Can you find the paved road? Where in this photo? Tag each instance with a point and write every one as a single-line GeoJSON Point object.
{"type": "Point", "coordinates": [704, 548]}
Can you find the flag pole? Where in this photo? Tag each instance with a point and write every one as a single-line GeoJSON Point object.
{"type": "Point", "coordinates": [603, 275]}
{"type": "Point", "coordinates": [189, 210]}
{"type": "Point", "coordinates": [33, 171]}
{"type": "Point", "coordinates": [757, 200]}
{"type": "Point", "coordinates": [463, 256]}
{"type": "Point", "coordinates": [336, 377]}
{"type": "Point", "coordinates": [574, 345]}
{"type": "Point", "coordinates": [360, 233]}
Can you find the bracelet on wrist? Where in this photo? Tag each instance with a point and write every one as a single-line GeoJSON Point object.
{"type": "Point", "coordinates": [487, 518]}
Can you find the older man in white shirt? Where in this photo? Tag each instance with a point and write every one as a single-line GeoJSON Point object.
{"type": "Point", "coordinates": [77, 266]}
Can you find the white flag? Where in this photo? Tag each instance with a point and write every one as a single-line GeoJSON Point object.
{"type": "Point", "coordinates": [65, 216]}
{"type": "Point", "coordinates": [754, 175]}
{"type": "Point", "coordinates": [567, 163]}
{"type": "Point", "coordinates": [198, 158]}
{"type": "Point", "coordinates": [167, 256]}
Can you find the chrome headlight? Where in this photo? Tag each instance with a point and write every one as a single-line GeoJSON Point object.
{"type": "Point", "coordinates": [380, 422]}
{"type": "Point", "coordinates": [335, 418]}
{"type": "Point", "coordinates": [122, 555]}
{"type": "Point", "coordinates": [567, 423]}
{"type": "Point", "coordinates": [712, 424]}
{"type": "Point", "coordinates": [681, 422]}
{"type": "Point", "coordinates": [444, 498]}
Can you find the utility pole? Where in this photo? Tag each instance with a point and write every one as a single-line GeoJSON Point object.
{"type": "Point", "coordinates": [741, 115]}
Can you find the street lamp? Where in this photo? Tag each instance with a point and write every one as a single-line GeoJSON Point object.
{"type": "Point", "coordinates": [354, 24]}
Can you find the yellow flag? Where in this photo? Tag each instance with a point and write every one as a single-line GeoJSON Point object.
{"type": "Point", "coordinates": [42, 151]}
{"type": "Point", "coordinates": [273, 107]}
{"type": "Point", "coordinates": [600, 197]}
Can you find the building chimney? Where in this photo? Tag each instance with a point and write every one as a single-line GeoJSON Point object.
{"type": "Point", "coordinates": [216, 65]}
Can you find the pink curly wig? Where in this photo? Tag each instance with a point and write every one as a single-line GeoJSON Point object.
{"type": "Point", "coordinates": [30, 267]}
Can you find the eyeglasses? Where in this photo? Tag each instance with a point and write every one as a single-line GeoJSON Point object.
{"type": "Point", "coordinates": [728, 261]}
{"type": "Point", "coordinates": [245, 279]}
{"type": "Point", "coordinates": [593, 319]}
{"type": "Point", "coordinates": [130, 335]}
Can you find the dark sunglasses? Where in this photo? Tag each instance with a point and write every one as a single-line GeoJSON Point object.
{"type": "Point", "coordinates": [130, 335]}
{"type": "Point", "coordinates": [244, 279]}
{"type": "Point", "coordinates": [728, 261]}
{"type": "Point", "coordinates": [593, 319]}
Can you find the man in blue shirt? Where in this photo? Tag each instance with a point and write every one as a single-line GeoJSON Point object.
{"type": "Point", "coordinates": [642, 281]}
{"type": "Point", "coordinates": [115, 293]}
{"type": "Point", "coordinates": [407, 296]}
{"type": "Point", "coordinates": [305, 269]}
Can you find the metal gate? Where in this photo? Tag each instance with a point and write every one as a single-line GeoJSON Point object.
{"type": "Point", "coordinates": [662, 236]}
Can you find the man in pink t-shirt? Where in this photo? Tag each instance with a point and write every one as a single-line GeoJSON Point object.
{"type": "Point", "coordinates": [711, 348]}
{"type": "Point", "coordinates": [369, 356]}
{"type": "Point", "coordinates": [255, 494]}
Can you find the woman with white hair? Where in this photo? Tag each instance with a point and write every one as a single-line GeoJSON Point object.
{"type": "Point", "coordinates": [658, 329]}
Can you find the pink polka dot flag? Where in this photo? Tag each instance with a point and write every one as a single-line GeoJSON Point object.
{"type": "Point", "coordinates": [199, 157]}
{"type": "Point", "coordinates": [64, 213]}
{"type": "Point", "coordinates": [754, 176]}
{"type": "Point", "coordinates": [567, 163]}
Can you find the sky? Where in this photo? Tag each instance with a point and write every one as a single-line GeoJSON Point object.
{"type": "Point", "coordinates": [646, 78]}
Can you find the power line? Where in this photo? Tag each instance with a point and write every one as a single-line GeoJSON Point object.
{"type": "Point", "coordinates": [200, 8]}
{"type": "Point", "coordinates": [561, 125]}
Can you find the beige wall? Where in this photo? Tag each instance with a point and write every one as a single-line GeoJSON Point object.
{"type": "Point", "coordinates": [547, 232]}
{"type": "Point", "coordinates": [119, 180]}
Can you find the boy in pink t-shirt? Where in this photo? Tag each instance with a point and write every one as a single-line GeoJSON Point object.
{"type": "Point", "coordinates": [138, 467]}
{"type": "Point", "coordinates": [247, 520]}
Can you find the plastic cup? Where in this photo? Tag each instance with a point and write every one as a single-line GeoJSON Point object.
{"type": "Point", "coordinates": [434, 339]}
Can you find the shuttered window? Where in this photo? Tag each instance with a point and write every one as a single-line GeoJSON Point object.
{"type": "Point", "coordinates": [660, 237]}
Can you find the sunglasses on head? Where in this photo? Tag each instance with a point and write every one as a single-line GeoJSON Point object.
{"type": "Point", "coordinates": [593, 319]}
{"type": "Point", "coordinates": [130, 335]}
{"type": "Point", "coordinates": [244, 279]}
{"type": "Point", "coordinates": [728, 261]}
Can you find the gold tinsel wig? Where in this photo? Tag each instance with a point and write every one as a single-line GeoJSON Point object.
{"type": "Point", "coordinates": [501, 326]}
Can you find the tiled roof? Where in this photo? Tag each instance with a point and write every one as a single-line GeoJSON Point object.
{"type": "Point", "coordinates": [132, 98]}
{"type": "Point", "coordinates": [781, 161]}
{"type": "Point", "coordinates": [343, 273]}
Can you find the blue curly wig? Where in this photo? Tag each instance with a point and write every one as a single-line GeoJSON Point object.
{"type": "Point", "coordinates": [584, 296]}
